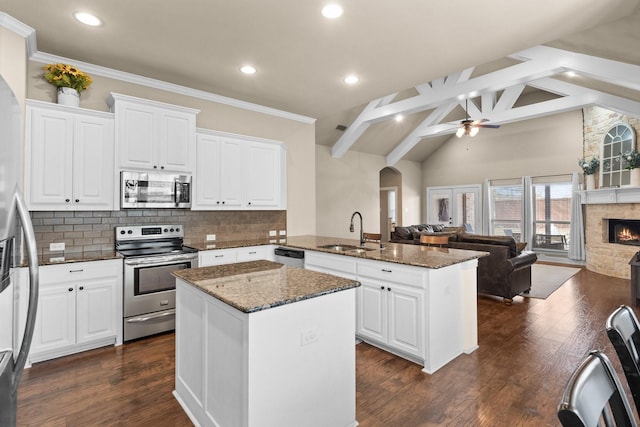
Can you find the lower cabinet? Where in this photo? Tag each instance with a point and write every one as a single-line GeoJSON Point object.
{"type": "Point", "coordinates": [390, 314]}
{"type": "Point", "coordinates": [233, 255]}
{"type": "Point", "coordinates": [79, 308]}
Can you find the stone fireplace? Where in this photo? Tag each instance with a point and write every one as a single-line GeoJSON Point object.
{"type": "Point", "coordinates": [612, 228]}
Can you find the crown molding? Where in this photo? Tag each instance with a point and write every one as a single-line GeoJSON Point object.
{"type": "Point", "coordinates": [21, 29]}
{"type": "Point", "coordinates": [98, 70]}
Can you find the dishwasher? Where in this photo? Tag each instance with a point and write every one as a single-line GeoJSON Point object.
{"type": "Point", "coordinates": [290, 257]}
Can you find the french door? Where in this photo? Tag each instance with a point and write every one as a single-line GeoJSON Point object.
{"type": "Point", "coordinates": [455, 206]}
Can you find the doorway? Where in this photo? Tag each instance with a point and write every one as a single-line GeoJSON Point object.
{"type": "Point", "coordinates": [455, 206]}
{"type": "Point", "coordinates": [390, 201]}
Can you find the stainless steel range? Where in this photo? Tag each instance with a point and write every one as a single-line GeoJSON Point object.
{"type": "Point", "coordinates": [151, 253]}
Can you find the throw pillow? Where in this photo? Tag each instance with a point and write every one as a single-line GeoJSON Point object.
{"type": "Point", "coordinates": [403, 233]}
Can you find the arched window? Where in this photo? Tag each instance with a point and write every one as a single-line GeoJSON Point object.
{"type": "Point", "coordinates": [618, 140]}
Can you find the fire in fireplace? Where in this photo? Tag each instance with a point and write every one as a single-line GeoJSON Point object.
{"type": "Point", "coordinates": [624, 231]}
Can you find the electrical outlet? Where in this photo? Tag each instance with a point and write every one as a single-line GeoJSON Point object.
{"type": "Point", "coordinates": [56, 246]}
{"type": "Point", "coordinates": [283, 232]}
{"type": "Point", "coordinates": [211, 237]}
{"type": "Point", "coordinates": [272, 232]}
{"type": "Point", "coordinates": [273, 241]}
{"type": "Point", "coordinates": [309, 336]}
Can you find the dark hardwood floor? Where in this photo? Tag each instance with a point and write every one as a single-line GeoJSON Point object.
{"type": "Point", "coordinates": [527, 353]}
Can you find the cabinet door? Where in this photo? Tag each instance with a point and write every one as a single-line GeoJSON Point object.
{"type": "Point", "coordinates": [253, 253]}
{"type": "Point", "coordinates": [49, 157]}
{"type": "Point", "coordinates": [176, 145]}
{"type": "Point", "coordinates": [93, 163]}
{"type": "Point", "coordinates": [232, 178]}
{"type": "Point", "coordinates": [96, 309]}
{"type": "Point", "coordinates": [264, 175]}
{"type": "Point", "coordinates": [207, 180]}
{"type": "Point", "coordinates": [137, 137]}
{"type": "Point", "coordinates": [405, 319]}
{"type": "Point", "coordinates": [55, 319]}
{"type": "Point", "coordinates": [372, 310]}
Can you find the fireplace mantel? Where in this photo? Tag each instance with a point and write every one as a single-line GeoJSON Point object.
{"type": "Point", "coordinates": [604, 196]}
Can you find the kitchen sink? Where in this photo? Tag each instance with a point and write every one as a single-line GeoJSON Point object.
{"type": "Point", "coordinates": [345, 248]}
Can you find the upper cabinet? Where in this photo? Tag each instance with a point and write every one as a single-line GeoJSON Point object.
{"type": "Point", "coordinates": [153, 136]}
{"type": "Point", "coordinates": [236, 172]}
{"type": "Point", "coordinates": [69, 158]}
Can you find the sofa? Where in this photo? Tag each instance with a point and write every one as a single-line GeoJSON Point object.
{"type": "Point", "coordinates": [506, 272]}
{"type": "Point", "coordinates": [411, 234]}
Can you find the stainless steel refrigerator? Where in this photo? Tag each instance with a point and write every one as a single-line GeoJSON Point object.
{"type": "Point", "coordinates": [18, 304]}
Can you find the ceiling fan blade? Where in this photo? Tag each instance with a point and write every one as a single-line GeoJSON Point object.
{"type": "Point", "coordinates": [475, 122]}
{"type": "Point", "coordinates": [488, 126]}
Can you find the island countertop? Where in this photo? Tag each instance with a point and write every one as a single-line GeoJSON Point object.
{"type": "Point", "coordinates": [259, 285]}
{"type": "Point", "coordinates": [414, 255]}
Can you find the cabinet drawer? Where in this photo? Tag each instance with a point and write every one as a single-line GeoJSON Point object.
{"type": "Point", "coordinates": [79, 271]}
{"type": "Point", "coordinates": [252, 253]}
{"type": "Point", "coordinates": [389, 272]}
{"type": "Point", "coordinates": [217, 257]}
{"type": "Point", "coordinates": [338, 263]}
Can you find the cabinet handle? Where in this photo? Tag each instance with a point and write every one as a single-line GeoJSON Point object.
{"type": "Point", "coordinates": [67, 200]}
{"type": "Point", "coordinates": [70, 289]}
{"type": "Point", "coordinates": [223, 202]}
{"type": "Point", "coordinates": [76, 271]}
{"type": "Point", "coordinates": [218, 202]}
{"type": "Point", "coordinates": [77, 200]}
{"type": "Point", "coordinates": [155, 167]}
{"type": "Point", "coordinates": [389, 289]}
{"type": "Point", "coordinates": [249, 202]}
{"type": "Point", "coordinates": [382, 287]}
{"type": "Point", "coordinates": [82, 288]}
{"type": "Point", "coordinates": [252, 253]}
{"type": "Point", "coordinates": [218, 256]}
{"type": "Point", "coordinates": [386, 271]}
{"type": "Point", "coordinates": [161, 167]}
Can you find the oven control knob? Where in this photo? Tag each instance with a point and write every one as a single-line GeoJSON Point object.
{"type": "Point", "coordinates": [171, 230]}
{"type": "Point", "coordinates": [122, 232]}
{"type": "Point", "coordinates": [177, 229]}
{"type": "Point", "coordinates": [166, 230]}
{"type": "Point", "coordinates": [129, 231]}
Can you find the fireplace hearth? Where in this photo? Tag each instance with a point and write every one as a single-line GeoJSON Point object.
{"type": "Point", "coordinates": [624, 231]}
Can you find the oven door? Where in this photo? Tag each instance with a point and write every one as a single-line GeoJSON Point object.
{"type": "Point", "coordinates": [148, 284]}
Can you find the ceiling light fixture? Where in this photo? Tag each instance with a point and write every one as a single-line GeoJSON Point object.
{"type": "Point", "coordinates": [399, 117]}
{"type": "Point", "coordinates": [248, 69]}
{"type": "Point", "coordinates": [351, 79]}
{"type": "Point", "coordinates": [332, 11]}
{"type": "Point", "coordinates": [88, 19]}
{"type": "Point", "coordinates": [571, 74]}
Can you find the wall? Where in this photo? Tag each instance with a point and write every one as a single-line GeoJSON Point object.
{"type": "Point", "coordinates": [299, 137]}
{"type": "Point", "coordinates": [545, 146]}
{"type": "Point", "coordinates": [351, 183]}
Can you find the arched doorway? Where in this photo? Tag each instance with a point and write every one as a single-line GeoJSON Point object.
{"type": "Point", "coordinates": [390, 201]}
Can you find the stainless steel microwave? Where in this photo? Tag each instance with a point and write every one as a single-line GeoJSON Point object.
{"type": "Point", "coordinates": [154, 190]}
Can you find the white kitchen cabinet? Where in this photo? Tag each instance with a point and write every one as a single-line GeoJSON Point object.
{"type": "Point", "coordinates": [79, 308]}
{"type": "Point", "coordinates": [69, 158]}
{"type": "Point", "coordinates": [236, 172]}
{"type": "Point", "coordinates": [219, 177]}
{"type": "Point", "coordinates": [390, 306]}
{"type": "Point", "coordinates": [233, 255]}
{"type": "Point", "coordinates": [338, 265]}
{"type": "Point", "coordinates": [153, 136]}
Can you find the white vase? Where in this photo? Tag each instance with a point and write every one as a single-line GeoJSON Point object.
{"type": "Point", "coordinates": [590, 181]}
{"type": "Point", "coordinates": [634, 177]}
{"type": "Point", "coordinates": [68, 96]}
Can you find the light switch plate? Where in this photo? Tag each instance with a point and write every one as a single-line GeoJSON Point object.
{"type": "Point", "coordinates": [283, 232]}
{"type": "Point", "coordinates": [272, 232]}
{"type": "Point", "coordinates": [211, 237]}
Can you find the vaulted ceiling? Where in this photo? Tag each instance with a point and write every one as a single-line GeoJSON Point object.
{"type": "Point", "coordinates": [415, 57]}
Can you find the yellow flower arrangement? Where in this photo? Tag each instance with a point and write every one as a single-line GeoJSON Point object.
{"type": "Point", "coordinates": [64, 75]}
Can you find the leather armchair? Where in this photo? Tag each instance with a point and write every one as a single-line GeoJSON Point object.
{"type": "Point", "coordinates": [502, 273]}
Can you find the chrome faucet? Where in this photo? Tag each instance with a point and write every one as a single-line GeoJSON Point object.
{"type": "Point", "coordinates": [351, 226]}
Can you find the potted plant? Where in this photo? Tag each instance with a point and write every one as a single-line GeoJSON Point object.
{"type": "Point", "coordinates": [632, 162]}
{"type": "Point", "coordinates": [69, 80]}
{"type": "Point", "coordinates": [589, 167]}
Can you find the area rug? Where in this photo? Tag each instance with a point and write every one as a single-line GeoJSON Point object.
{"type": "Point", "coordinates": [546, 279]}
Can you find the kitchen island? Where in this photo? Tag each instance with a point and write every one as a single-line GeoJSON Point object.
{"type": "Point", "coordinates": [262, 344]}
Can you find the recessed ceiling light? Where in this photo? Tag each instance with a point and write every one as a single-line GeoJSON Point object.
{"type": "Point", "coordinates": [332, 11]}
{"type": "Point", "coordinates": [571, 74]}
{"type": "Point", "coordinates": [248, 69]}
{"type": "Point", "coordinates": [351, 79]}
{"type": "Point", "coordinates": [399, 117]}
{"type": "Point", "coordinates": [88, 19]}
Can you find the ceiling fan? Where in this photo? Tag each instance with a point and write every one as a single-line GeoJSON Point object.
{"type": "Point", "coordinates": [471, 127]}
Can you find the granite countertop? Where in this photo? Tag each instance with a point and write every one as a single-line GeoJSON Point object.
{"type": "Point", "coordinates": [205, 246]}
{"type": "Point", "coordinates": [260, 285]}
{"type": "Point", "coordinates": [415, 255]}
{"type": "Point", "coordinates": [70, 257]}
